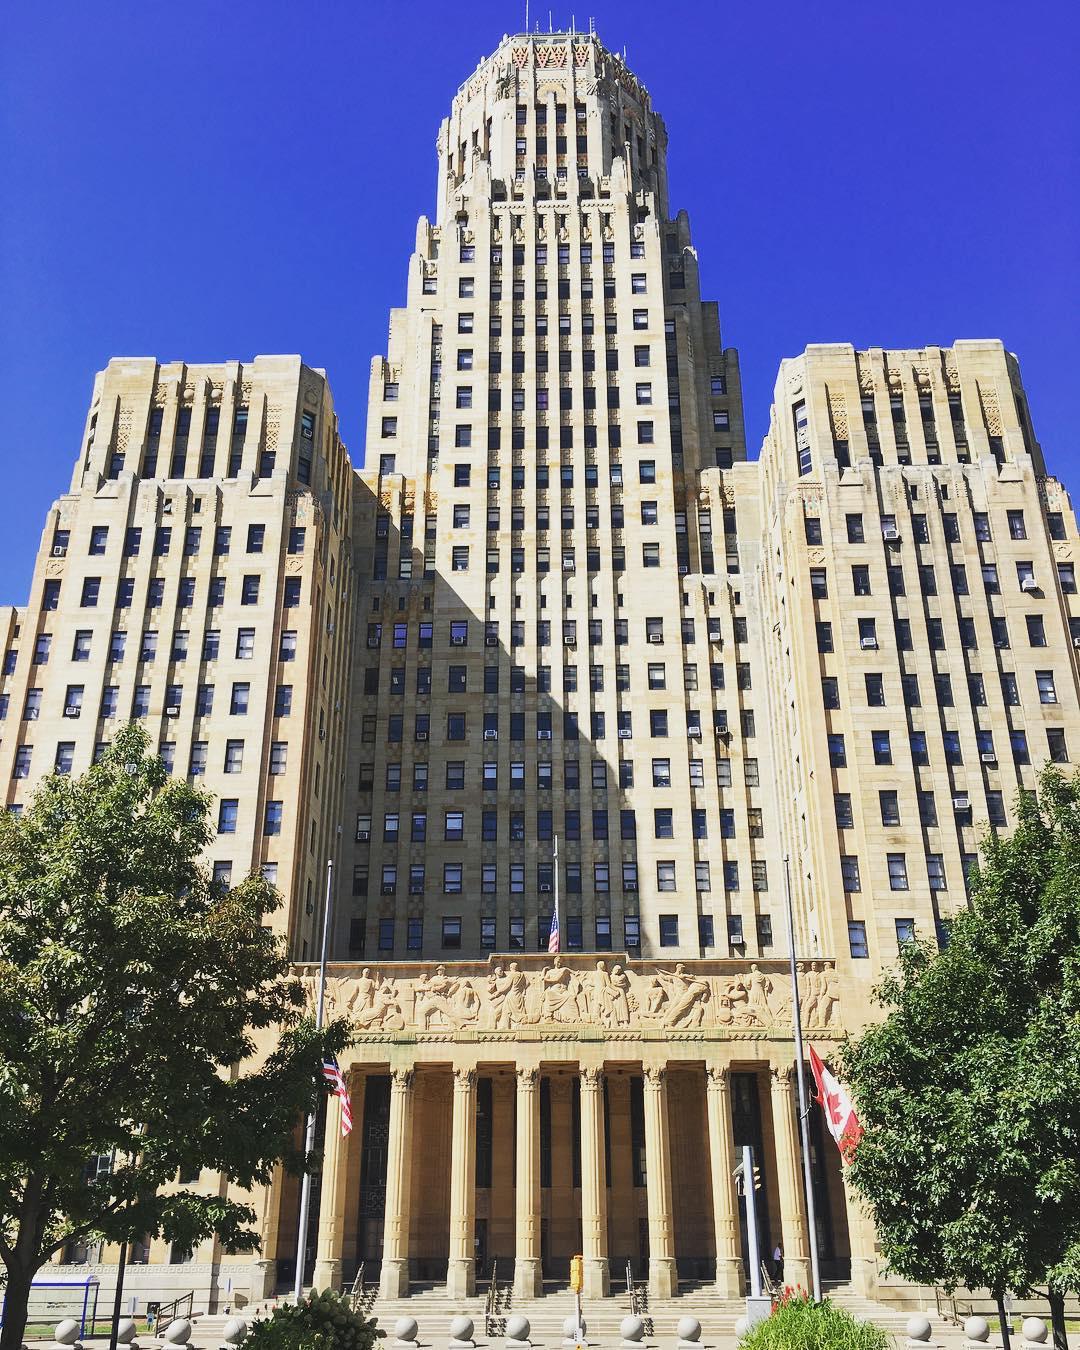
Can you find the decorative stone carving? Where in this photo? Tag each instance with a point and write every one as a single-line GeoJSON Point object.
{"type": "Point", "coordinates": [563, 997]}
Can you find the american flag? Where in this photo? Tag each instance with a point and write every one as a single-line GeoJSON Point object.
{"type": "Point", "coordinates": [332, 1073]}
{"type": "Point", "coordinates": [553, 932]}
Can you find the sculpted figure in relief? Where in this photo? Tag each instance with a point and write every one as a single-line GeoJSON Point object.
{"type": "Point", "coordinates": [687, 997]}
{"type": "Point", "coordinates": [454, 1002]}
{"type": "Point", "coordinates": [560, 1000]}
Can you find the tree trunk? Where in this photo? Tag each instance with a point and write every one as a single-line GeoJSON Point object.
{"type": "Point", "coordinates": [1003, 1322]}
{"type": "Point", "coordinates": [16, 1297]}
{"type": "Point", "coordinates": [1057, 1318]}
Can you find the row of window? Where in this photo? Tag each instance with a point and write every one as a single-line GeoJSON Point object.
{"type": "Point", "coordinates": [881, 742]}
{"type": "Point", "coordinates": [928, 585]}
{"type": "Point", "coordinates": [256, 538]}
{"type": "Point", "coordinates": [455, 776]}
{"type": "Point", "coordinates": [874, 685]}
{"type": "Point", "coordinates": [453, 878]}
{"type": "Point", "coordinates": [457, 728]}
{"type": "Point", "coordinates": [233, 760]}
{"type": "Point", "coordinates": [457, 678]}
{"type": "Point", "coordinates": [898, 871]}
{"type": "Point", "coordinates": [454, 830]}
{"type": "Point", "coordinates": [459, 632]}
{"type": "Point", "coordinates": [573, 932]}
{"type": "Point", "coordinates": [950, 524]}
{"type": "Point", "coordinates": [461, 553]}
{"type": "Point", "coordinates": [889, 808]}
{"type": "Point", "coordinates": [935, 632]}
{"type": "Point", "coordinates": [179, 649]}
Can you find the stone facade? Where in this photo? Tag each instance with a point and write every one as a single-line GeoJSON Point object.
{"type": "Point", "coordinates": [559, 602]}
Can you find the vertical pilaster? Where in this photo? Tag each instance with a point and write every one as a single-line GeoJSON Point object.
{"type": "Point", "coordinates": [461, 1269]}
{"type": "Point", "coordinates": [594, 1233]}
{"type": "Point", "coordinates": [527, 1272]}
{"type": "Point", "coordinates": [663, 1278]}
{"type": "Point", "coordinates": [394, 1281]}
{"type": "Point", "coordinates": [729, 1269]}
{"type": "Point", "coordinates": [333, 1194]}
{"type": "Point", "coordinates": [862, 1240]}
{"type": "Point", "coordinates": [789, 1179]}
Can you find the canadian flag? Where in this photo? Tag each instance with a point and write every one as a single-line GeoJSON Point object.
{"type": "Point", "coordinates": [840, 1118]}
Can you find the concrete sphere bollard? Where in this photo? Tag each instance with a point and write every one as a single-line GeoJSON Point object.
{"type": "Point", "coordinates": [125, 1330]}
{"type": "Point", "coordinates": [66, 1332]}
{"type": "Point", "coordinates": [235, 1331]}
{"type": "Point", "coordinates": [632, 1330]}
{"type": "Point", "coordinates": [178, 1332]}
{"type": "Point", "coordinates": [918, 1328]}
{"type": "Point", "coordinates": [405, 1329]}
{"type": "Point", "coordinates": [688, 1330]}
{"type": "Point", "coordinates": [571, 1329]}
{"type": "Point", "coordinates": [1034, 1330]}
{"type": "Point", "coordinates": [461, 1329]}
{"type": "Point", "coordinates": [977, 1329]}
{"type": "Point", "coordinates": [742, 1326]}
{"type": "Point", "coordinates": [517, 1328]}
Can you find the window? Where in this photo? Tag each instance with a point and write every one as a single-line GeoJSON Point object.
{"type": "Point", "coordinates": [1056, 745]}
{"type": "Point", "coordinates": [842, 810]}
{"type": "Point", "coordinates": [889, 804]}
{"type": "Point", "coordinates": [272, 818]}
{"type": "Point", "coordinates": [882, 744]}
{"type": "Point", "coordinates": [935, 872]}
{"type": "Point", "coordinates": [857, 939]}
{"type": "Point", "coordinates": [1017, 528]}
{"type": "Point", "coordinates": [905, 932]}
{"type": "Point", "coordinates": [1044, 682]}
{"type": "Point", "coordinates": [451, 932]}
{"type": "Point", "coordinates": [1036, 630]}
{"type": "Point", "coordinates": [283, 700]}
{"type": "Point", "coordinates": [849, 873]}
{"type": "Point", "coordinates": [837, 750]}
{"type": "Point", "coordinates": [291, 592]}
{"type": "Point", "coordinates": [898, 880]}
{"type": "Point", "coordinates": [228, 808]}
{"type": "Point", "coordinates": [80, 647]}
{"type": "Point", "coordinates": [819, 583]}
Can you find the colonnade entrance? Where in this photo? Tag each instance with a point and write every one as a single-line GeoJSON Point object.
{"type": "Point", "coordinates": [458, 1171]}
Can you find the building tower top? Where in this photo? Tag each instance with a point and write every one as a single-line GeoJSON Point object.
{"type": "Point", "coordinates": [550, 114]}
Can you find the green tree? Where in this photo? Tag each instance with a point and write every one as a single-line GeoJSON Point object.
{"type": "Point", "coordinates": [131, 990]}
{"type": "Point", "coordinates": [968, 1089]}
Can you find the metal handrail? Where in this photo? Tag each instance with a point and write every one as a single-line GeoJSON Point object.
{"type": "Point", "coordinates": [356, 1293]}
{"type": "Point", "coordinates": [631, 1288]}
{"type": "Point", "coordinates": [168, 1312]}
{"type": "Point", "coordinates": [490, 1305]}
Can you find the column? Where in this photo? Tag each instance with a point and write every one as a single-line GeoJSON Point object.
{"type": "Point", "coordinates": [725, 1204]}
{"type": "Point", "coordinates": [862, 1240]}
{"type": "Point", "coordinates": [394, 1280]}
{"type": "Point", "coordinates": [333, 1193]}
{"type": "Point", "coordinates": [789, 1179]}
{"type": "Point", "coordinates": [264, 1266]}
{"type": "Point", "coordinates": [461, 1270]}
{"type": "Point", "coordinates": [663, 1278]}
{"type": "Point", "coordinates": [527, 1273]}
{"type": "Point", "coordinates": [594, 1235]}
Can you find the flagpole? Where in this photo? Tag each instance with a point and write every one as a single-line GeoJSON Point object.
{"type": "Point", "coordinates": [800, 1069]}
{"type": "Point", "coordinates": [555, 869]}
{"type": "Point", "coordinates": [309, 1137]}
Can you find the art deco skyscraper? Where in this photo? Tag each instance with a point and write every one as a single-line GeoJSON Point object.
{"type": "Point", "coordinates": [541, 651]}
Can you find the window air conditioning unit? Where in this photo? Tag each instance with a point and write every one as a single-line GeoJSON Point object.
{"type": "Point", "coordinates": [491, 735]}
{"type": "Point", "coordinates": [421, 735]}
{"type": "Point", "coordinates": [723, 734]}
{"type": "Point", "coordinates": [962, 802]}
{"type": "Point", "coordinates": [72, 711]}
{"type": "Point", "coordinates": [656, 637]}
{"type": "Point", "coordinates": [1029, 584]}
{"type": "Point", "coordinates": [1076, 641]}
{"type": "Point", "coordinates": [869, 643]}
{"type": "Point", "coordinates": [545, 886]}
{"type": "Point", "coordinates": [389, 890]}
{"type": "Point", "coordinates": [695, 732]}
{"type": "Point", "coordinates": [543, 735]}
{"type": "Point", "coordinates": [173, 710]}
{"type": "Point", "coordinates": [59, 551]}
{"type": "Point", "coordinates": [416, 889]}
{"type": "Point", "coordinates": [373, 642]}
{"type": "Point", "coordinates": [683, 569]}
{"type": "Point", "coordinates": [166, 507]}
{"type": "Point", "coordinates": [625, 733]}
{"type": "Point", "coordinates": [457, 641]}
{"type": "Point", "coordinates": [362, 836]}
{"type": "Point", "coordinates": [32, 714]}
{"type": "Point", "coordinates": [491, 640]}
{"type": "Point", "coordinates": [989, 757]}
{"type": "Point", "coordinates": [890, 533]}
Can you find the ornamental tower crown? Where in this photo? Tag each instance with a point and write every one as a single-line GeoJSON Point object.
{"type": "Point", "coordinates": [550, 114]}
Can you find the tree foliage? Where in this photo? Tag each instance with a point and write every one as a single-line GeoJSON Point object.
{"type": "Point", "coordinates": [132, 988]}
{"type": "Point", "coordinates": [323, 1321]}
{"type": "Point", "coordinates": [968, 1089]}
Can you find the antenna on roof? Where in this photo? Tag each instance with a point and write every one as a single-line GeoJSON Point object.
{"type": "Point", "coordinates": [573, 19]}
{"type": "Point", "coordinates": [526, 15]}
{"type": "Point", "coordinates": [551, 27]}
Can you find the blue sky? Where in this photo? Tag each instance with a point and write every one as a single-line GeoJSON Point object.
{"type": "Point", "coordinates": [207, 182]}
